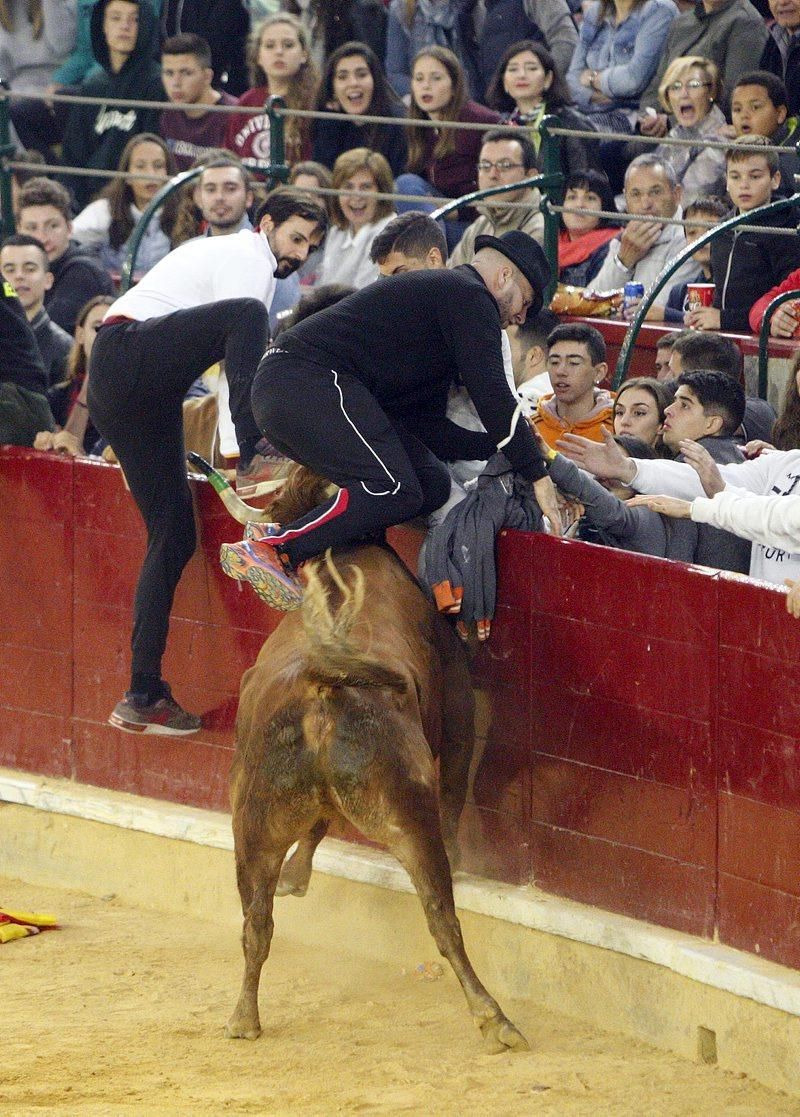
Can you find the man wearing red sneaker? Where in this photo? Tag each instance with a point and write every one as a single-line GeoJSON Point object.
{"type": "Point", "coordinates": [358, 393]}
{"type": "Point", "coordinates": [204, 302]}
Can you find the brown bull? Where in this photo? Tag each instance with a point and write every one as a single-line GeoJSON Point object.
{"type": "Point", "coordinates": [341, 717]}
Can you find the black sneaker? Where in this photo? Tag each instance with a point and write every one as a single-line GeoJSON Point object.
{"type": "Point", "coordinates": [134, 714]}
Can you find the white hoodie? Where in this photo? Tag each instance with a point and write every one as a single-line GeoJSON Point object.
{"type": "Point", "coordinates": [755, 504]}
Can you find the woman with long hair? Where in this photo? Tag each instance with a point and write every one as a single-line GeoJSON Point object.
{"type": "Point", "coordinates": [68, 399]}
{"type": "Point", "coordinates": [639, 408]}
{"type": "Point", "coordinates": [525, 88]}
{"type": "Point", "coordinates": [106, 224]}
{"type": "Point", "coordinates": [357, 217]}
{"type": "Point", "coordinates": [354, 83]}
{"type": "Point", "coordinates": [786, 432]}
{"type": "Point", "coordinates": [280, 64]}
{"type": "Point", "coordinates": [442, 160]}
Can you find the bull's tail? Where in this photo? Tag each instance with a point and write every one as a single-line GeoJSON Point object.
{"type": "Point", "coordinates": [334, 660]}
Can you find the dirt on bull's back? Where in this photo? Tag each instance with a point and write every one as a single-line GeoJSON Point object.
{"type": "Point", "coordinates": [121, 1012]}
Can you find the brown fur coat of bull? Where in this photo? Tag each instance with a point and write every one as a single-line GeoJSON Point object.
{"type": "Point", "coordinates": [343, 715]}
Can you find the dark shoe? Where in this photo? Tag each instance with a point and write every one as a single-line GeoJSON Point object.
{"type": "Point", "coordinates": [251, 481]}
{"type": "Point", "coordinates": [164, 716]}
{"type": "Point", "coordinates": [260, 564]}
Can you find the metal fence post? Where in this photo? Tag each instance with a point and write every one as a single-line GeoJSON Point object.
{"type": "Point", "coordinates": [7, 151]}
{"type": "Point", "coordinates": [278, 169]}
{"type": "Point", "coordinates": [763, 339]}
{"type": "Point", "coordinates": [626, 350]}
{"type": "Point", "coordinates": [126, 279]}
{"type": "Point", "coordinates": [551, 156]}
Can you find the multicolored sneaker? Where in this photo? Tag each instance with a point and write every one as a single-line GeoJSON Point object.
{"type": "Point", "coordinates": [255, 531]}
{"type": "Point", "coordinates": [134, 714]}
{"type": "Point", "coordinates": [260, 564]}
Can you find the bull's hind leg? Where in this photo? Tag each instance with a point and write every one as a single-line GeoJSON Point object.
{"type": "Point", "coordinates": [257, 885]}
{"type": "Point", "coordinates": [296, 872]}
{"type": "Point", "coordinates": [458, 738]}
{"type": "Point", "coordinates": [421, 851]}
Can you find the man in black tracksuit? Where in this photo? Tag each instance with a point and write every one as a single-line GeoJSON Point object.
{"type": "Point", "coordinates": [358, 393]}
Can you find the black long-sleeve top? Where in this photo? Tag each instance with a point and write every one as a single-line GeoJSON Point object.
{"type": "Point", "coordinates": [330, 138]}
{"type": "Point", "coordinates": [408, 338]}
{"type": "Point", "coordinates": [746, 265]}
{"type": "Point", "coordinates": [21, 362]}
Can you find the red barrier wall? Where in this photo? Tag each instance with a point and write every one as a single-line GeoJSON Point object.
{"type": "Point", "coordinates": [643, 740]}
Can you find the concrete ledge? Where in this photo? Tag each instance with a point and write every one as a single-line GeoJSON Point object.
{"type": "Point", "coordinates": [697, 998]}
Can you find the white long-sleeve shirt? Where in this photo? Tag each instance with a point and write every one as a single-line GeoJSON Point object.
{"type": "Point", "coordinates": [346, 256]}
{"type": "Point", "coordinates": [773, 475]}
{"type": "Point", "coordinates": [773, 521]}
{"type": "Point", "coordinates": [203, 271]}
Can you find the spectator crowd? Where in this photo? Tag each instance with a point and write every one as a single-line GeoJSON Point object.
{"type": "Point", "coordinates": [622, 75]}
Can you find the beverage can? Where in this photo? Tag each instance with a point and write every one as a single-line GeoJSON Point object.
{"type": "Point", "coordinates": [632, 293]}
{"type": "Point", "coordinates": [699, 294]}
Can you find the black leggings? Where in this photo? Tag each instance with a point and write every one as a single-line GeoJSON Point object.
{"type": "Point", "coordinates": [140, 372]}
{"type": "Point", "coordinates": [331, 422]}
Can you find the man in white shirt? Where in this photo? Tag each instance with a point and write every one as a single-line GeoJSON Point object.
{"type": "Point", "coordinates": [205, 302]}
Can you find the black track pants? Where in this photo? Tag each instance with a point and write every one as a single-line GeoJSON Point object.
{"type": "Point", "coordinates": [331, 423]}
{"type": "Point", "coordinates": [140, 372]}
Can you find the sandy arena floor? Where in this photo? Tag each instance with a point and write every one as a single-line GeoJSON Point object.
{"type": "Point", "coordinates": [121, 1012]}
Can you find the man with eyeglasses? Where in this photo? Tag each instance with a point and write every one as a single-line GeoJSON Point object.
{"type": "Point", "coordinates": [507, 156]}
{"type": "Point", "coordinates": [644, 247]}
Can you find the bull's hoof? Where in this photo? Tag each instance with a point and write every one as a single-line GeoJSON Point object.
{"type": "Point", "coordinates": [288, 887]}
{"type": "Point", "coordinates": [499, 1035]}
{"type": "Point", "coordinates": [242, 1029]}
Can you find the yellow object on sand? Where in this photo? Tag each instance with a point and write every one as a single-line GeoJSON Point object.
{"type": "Point", "coordinates": [20, 924]}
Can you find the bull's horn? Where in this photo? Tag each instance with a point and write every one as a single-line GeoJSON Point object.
{"type": "Point", "coordinates": [240, 511]}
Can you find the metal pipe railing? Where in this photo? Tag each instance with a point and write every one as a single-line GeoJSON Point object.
{"type": "Point", "coordinates": [763, 338]}
{"type": "Point", "coordinates": [7, 150]}
{"type": "Point", "coordinates": [672, 266]}
{"type": "Point", "coordinates": [549, 179]}
{"type": "Point", "coordinates": [277, 169]}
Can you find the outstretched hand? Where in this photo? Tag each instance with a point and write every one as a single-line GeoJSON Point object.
{"type": "Point", "coordinates": [793, 597]}
{"type": "Point", "coordinates": [665, 505]}
{"type": "Point", "coordinates": [704, 466]}
{"type": "Point", "coordinates": [604, 459]}
{"type": "Point", "coordinates": [545, 492]}
{"type": "Point", "coordinates": [62, 442]}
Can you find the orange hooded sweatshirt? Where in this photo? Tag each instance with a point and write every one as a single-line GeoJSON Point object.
{"type": "Point", "coordinates": [551, 427]}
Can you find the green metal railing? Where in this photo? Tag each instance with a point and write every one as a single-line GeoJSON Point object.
{"type": "Point", "coordinates": [626, 350]}
{"type": "Point", "coordinates": [7, 151]}
{"type": "Point", "coordinates": [550, 183]}
{"type": "Point", "coordinates": [276, 170]}
{"type": "Point", "coordinates": [763, 338]}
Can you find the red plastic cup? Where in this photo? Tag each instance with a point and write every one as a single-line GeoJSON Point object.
{"type": "Point", "coordinates": [699, 294]}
